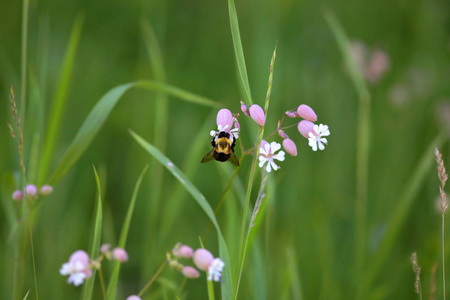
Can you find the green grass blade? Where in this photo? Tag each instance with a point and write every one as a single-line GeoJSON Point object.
{"type": "Point", "coordinates": [89, 287]}
{"type": "Point", "coordinates": [401, 211]}
{"type": "Point", "coordinates": [59, 101]}
{"type": "Point", "coordinates": [111, 292]}
{"type": "Point", "coordinates": [238, 50]}
{"type": "Point", "coordinates": [26, 295]}
{"type": "Point", "coordinates": [160, 125]}
{"type": "Point", "coordinates": [100, 113]}
{"type": "Point", "coordinates": [227, 289]}
{"type": "Point", "coordinates": [24, 48]}
{"type": "Point", "coordinates": [362, 143]}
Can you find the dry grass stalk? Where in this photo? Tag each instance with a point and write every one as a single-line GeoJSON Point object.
{"type": "Point", "coordinates": [416, 269]}
{"type": "Point", "coordinates": [433, 282]}
{"type": "Point", "coordinates": [442, 174]}
{"type": "Point", "coordinates": [19, 135]}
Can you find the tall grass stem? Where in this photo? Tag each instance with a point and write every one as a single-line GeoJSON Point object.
{"type": "Point", "coordinates": [23, 71]}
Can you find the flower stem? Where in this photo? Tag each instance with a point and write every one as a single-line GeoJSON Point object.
{"type": "Point", "coordinates": [153, 279]}
{"type": "Point", "coordinates": [102, 282]}
{"type": "Point", "coordinates": [443, 260]}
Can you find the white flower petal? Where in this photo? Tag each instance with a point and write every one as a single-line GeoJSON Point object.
{"type": "Point", "coordinates": [275, 147]}
{"type": "Point", "coordinates": [262, 162]}
{"type": "Point", "coordinates": [262, 151]}
{"type": "Point", "coordinates": [267, 148]}
{"type": "Point", "coordinates": [279, 156]}
{"type": "Point", "coordinates": [321, 146]}
{"type": "Point", "coordinates": [268, 169]}
{"type": "Point", "coordinates": [274, 166]}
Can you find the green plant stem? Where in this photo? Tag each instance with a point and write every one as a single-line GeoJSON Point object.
{"type": "Point", "coordinates": [152, 279]}
{"type": "Point", "coordinates": [210, 285]}
{"type": "Point", "coordinates": [222, 199]}
{"type": "Point", "coordinates": [443, 256]}
{"type": "Point", "coordinates": [102, 282]}
{"type": "Point", "coordinates": [34, 262]}
{"type": "Point", "coordinates": [23, 72]}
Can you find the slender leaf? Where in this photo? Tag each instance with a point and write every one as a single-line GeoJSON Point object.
{"type": "Point", "coordinates": [362, 143]}
{"type": "Point", "coordinates": [100, 113]}
{"type": "Point", "coordinates": [227, 289]}
{"type": "Point", "coordinates": [238, 50]}
{"type": "Point", "coordinates": [60, 98]}
{"type": "Point", "coordinates": [89, 287]}
{"type": "Point", "coordinates": [401, 211]}
{"type": "Point", "coordinates": [26, 295]}
{"type": "Point", "coordinates": [111, 292]}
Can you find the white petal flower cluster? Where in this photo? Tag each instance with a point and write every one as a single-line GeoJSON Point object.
{"type": "Point", "coordinates": [267, 154]}
{"type": "Point", "coordinates": [316, 139]}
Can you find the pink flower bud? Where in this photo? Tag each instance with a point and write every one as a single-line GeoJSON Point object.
{"type": "Point", "coordinates": [105, 248]}
{"type": "Point", "coordinates": [257, 114]}
{"type": "Point", "coordinates": [120, 254]}
{"type": "Point", "coordinates": [17, 195]}
{"type": "Point", "coordinates": [133, 297]}
{"type": "Point", "coordinates": [46, 190]}
{"type": "Point", "coordinates": [283, 134]}
{"type": "Point", "coordinates": [307, 113]}
{"type": "Point", "coordinates": [224, 120]}
{"type": "Point", "coordinates": [305, 127]}
{"type": "Point", "coordinates": [290, 147]}
{"type": "Point", "coordinates": [292, 114]}
{"type": "Point", "coordinates": [203, 258]}
{"type": "Point", "coordinates": [245, 109]}
{"type": "Point", "coordinates": [31, 190]}
{"type": "Point", "coordinates": [190, 272]}
{"type": "Point", "coordinates": [237, 125]}
{"type": "Point", "coordinates": [182, 251]}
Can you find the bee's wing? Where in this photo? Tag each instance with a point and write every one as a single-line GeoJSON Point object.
{"type": "Point", "coordinates": [208, 157]}
{"type": "Point", "coordinates": [233, 159]}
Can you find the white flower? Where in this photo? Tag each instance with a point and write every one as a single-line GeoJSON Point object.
{"type": "Point", "coordinates": [317, 139]}
{"type": "Point", "coordinates": [267, 154]}
{"type": "Point", "coordinates": [77, 268]}
{"type": "Point", "coordinates": [215, 269]}
{"type": "Point", "coordinates": [75, 272]}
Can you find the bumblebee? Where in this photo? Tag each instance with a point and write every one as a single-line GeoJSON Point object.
{"type": "Point", "coordinates": [223, 143]}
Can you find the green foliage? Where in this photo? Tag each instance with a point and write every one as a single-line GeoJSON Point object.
{"type": "Point", "coordinates": [340, 223]}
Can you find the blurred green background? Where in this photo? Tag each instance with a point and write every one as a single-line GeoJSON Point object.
{"type": "Point", "coordinates": [305, 248]}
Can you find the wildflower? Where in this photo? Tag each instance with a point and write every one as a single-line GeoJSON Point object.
{"type": "Point", "coordinates": [267, 154]}
{"type": "Point", "coordinates": [133, 297]}
{"type": "Point", "coordinates": [77, 268]}
{"type": "Point", "coordinates": [182, 251]}
{"type": "Point", "coordinates": [105, 248]}
{"type": "Point", "coordinates": [291, 114]}
{"type": "Point", "coordinates": [316, 139]}
{"type": "Point", "coordinates": [190, 272]}
{"type": "Point", "coordinates": [215, 269]}
{"type": "Point", "coordinates": [17, 195]}
{"type": "Point", "coordinates": [31, 190]}
{"type": "Point", "coordinates": [257, 114]}
{"type": "Point", "coordinates": [203, 259]}
{"type": "Point", "coordinates": [245, 109]}
{"type": "Point", "coordinates": [283, 134]}
{"type": "Point", "coordinates": [225, 122]}
{"type": "Point", "coordinates": [46, 190]}
{"type": "Point", "coordinates": [306, 113]}
{"type": "Point", "coordinates": [120, 254]}
{"type": "Point", "coordinates": [305, 127]}
{"type": "Point", "coordinates": [290, 147]}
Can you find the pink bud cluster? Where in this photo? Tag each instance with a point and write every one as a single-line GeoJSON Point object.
{"type": "Point", "coordinates": [202, 258]}
{"type": "Point", "coordinates": [255, 112]}
{"type": "Point", "coordinates": [305, 127]}
{"type": "Point", "coordinates": [31, 191]}
{"type": "Point", "coordinates": [80, 265]}
{"type": "Point", "coordinates": [372, 64]}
